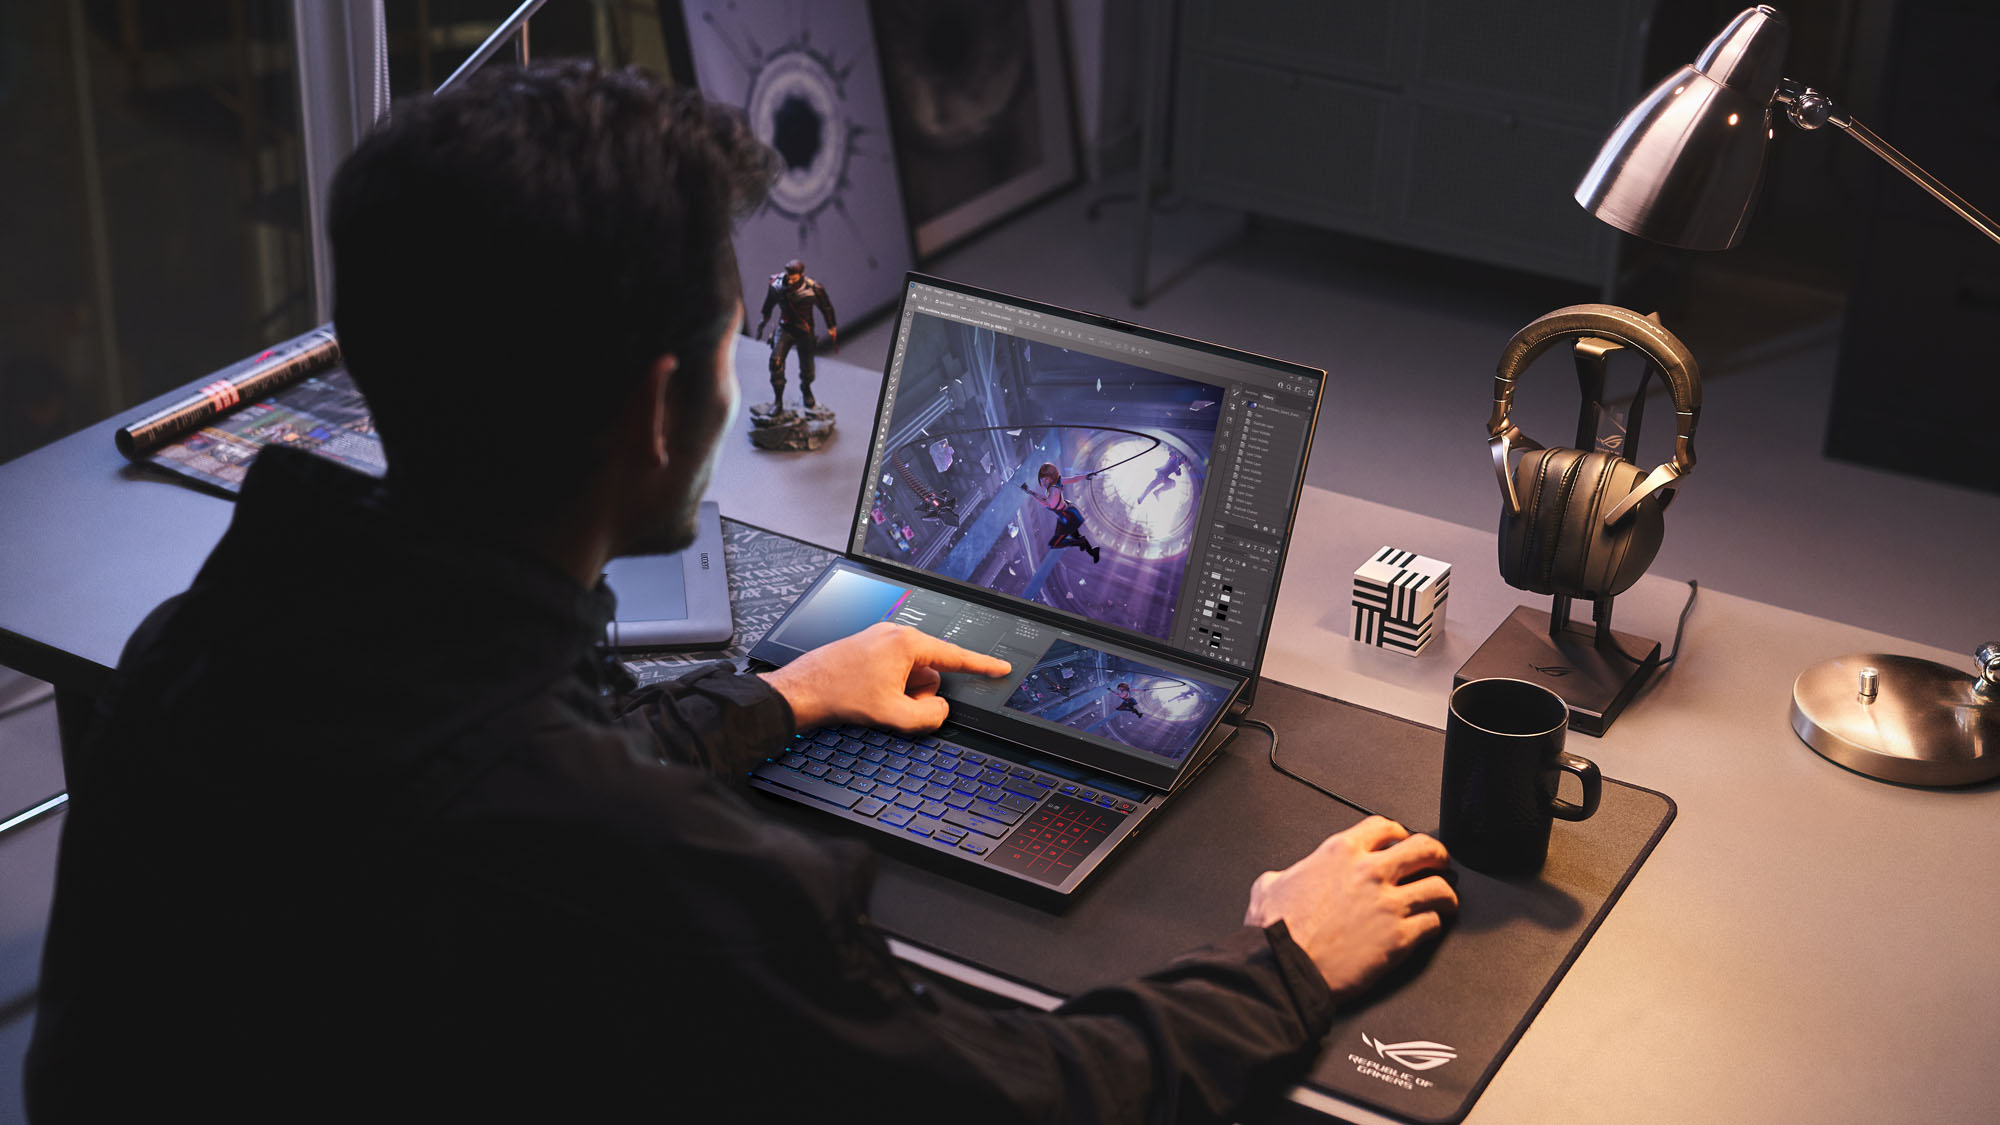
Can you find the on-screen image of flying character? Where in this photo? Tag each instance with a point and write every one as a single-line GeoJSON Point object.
{"type": "Point", "coordinates": [1069, 518]}
{"type": "Point", "coordinates": [1163, 477]}
{"type": "Point", "coordinates": [1125, 700]}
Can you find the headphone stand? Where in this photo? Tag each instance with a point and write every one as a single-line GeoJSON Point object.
{"type": "Point", "coordinates": [1596, 669]}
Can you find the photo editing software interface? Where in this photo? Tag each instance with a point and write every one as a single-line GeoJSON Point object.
{"type": "Point", "coordinates": [1105, 694]}
{"type": "Point", "coordinates": [1063, 461]}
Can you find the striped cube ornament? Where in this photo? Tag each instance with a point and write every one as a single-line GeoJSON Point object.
{"type": "Point", "coordinates": [1399, 600]}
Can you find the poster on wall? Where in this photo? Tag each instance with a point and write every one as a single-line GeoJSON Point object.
{"type": "Point", "coordinates": [980, 100]}
{"type": "Point", "coordinates": [807, 76]}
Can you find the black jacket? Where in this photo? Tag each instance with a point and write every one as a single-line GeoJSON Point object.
{"type": "Point", "coordinates": [795, 306]}
{"type": "Point", "coordinates": [360, 833]}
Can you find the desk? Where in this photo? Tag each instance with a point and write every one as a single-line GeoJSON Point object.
{"type": "Point", "coordinates": [1805, 944]}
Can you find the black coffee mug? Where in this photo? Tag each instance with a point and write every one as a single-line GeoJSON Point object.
{"type": "Point", "coordinates": [1503, 757]}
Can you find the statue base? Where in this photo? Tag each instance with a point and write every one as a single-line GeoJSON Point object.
{"type": "Point", "coordinates": [775, 426]}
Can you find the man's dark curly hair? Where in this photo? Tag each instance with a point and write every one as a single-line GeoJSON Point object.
{"type": "Point", "coordinates": [512, 255]}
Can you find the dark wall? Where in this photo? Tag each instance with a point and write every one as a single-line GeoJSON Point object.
{"type": "Point", "coordinates": [1916, 389]}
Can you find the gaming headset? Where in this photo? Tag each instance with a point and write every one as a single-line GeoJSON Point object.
{"type": "Point", "coordinates": [1576, 523]}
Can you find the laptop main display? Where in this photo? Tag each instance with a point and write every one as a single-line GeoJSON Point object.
{"type": "Point", "coordinates": [1118, 476]}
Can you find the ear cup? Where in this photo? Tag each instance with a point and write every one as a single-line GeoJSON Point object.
{"type": "Point", "coordinates": [1558, 544]}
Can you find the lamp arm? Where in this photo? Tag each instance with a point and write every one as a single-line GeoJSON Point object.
{"type": "Point", "coordinates": [1809, 109]}
{"type": "Point", "coordinates": [492, 44]}
{"type": "Point", "coordinates": [1921, 178]}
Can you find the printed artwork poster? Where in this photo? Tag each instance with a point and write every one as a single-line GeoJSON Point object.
{"type": "Point", "coordinates": [980, 100]}
{"type": "Point", "coordinates": [807, 77]}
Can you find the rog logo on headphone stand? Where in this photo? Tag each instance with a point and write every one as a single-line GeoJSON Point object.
{"type": "Point", "coordinates": [1556, 670]}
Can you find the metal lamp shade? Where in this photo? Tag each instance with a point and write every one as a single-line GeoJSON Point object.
{"type": "Point", "coordinates": [1684, 165]}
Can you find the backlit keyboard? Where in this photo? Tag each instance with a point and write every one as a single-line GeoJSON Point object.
{"type": "Point", "coordinates": [948, 795]}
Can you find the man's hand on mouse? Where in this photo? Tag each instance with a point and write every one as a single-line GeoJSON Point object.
{"type": "Point", "coordinates": [886, 675]}
{"type": "Point", "coordinates": [1347, 906]}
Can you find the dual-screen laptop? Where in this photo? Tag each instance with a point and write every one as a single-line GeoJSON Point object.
{"type": "Point", "coordinates": [1106, 507]}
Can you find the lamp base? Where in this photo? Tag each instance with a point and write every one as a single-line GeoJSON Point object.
{"type": "Point", "coordinates": [1923, 724]}
{"type": "Point", "coordinates": [1596, 682]}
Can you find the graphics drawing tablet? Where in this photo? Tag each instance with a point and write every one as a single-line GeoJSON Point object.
{"type": "Point", "coordinates": [674, 601]}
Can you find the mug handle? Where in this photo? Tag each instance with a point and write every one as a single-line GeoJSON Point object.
{"type": "Point", "coordinates": [1593, 788]}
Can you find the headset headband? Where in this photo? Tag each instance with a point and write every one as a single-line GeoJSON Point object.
{"type": "Point", "coordinates": [1612, 323]}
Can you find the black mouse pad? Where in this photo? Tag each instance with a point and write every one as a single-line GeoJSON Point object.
{"type": "Point", "coordinates": [1420, 1046]}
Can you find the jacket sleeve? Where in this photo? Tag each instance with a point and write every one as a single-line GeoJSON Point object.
{"type": "Point", "coordinates": [716, 719]}
{"type": "Point", "coordinates": [825, 303]}
{"type": "Point", "coordinates": [1209, 1037]}
{"type": "Point", "coordinates": [1215, 1035]}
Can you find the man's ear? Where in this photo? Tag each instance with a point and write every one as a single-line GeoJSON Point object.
{"type": "Point", "coordinates": [654, 409]}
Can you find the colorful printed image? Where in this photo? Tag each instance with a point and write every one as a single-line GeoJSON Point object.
{"type": "Point", "coordinates": [323, 413]}
{"type": "Point", "coordinates": [1118, 698]}
{"type": "Point", "coordinates": [1065, 478]}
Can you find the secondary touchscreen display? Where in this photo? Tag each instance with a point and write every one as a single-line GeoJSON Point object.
{"type": "Point", "coordinates": [1106, 695]}
{"type": "Point", "coordinates": [1119, 698]}
{"type": "Point", "coordinates": [846, 603]}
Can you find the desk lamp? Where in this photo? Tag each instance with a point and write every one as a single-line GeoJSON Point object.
{"type": "Point", "coordinates": [1683, 168]}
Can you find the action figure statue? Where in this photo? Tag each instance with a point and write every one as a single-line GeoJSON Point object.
{"type": "Point", "coordinates": [794, 295]}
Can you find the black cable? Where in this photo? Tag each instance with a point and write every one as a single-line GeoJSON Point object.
{"type": "Point", "coordinates": [1679, 629]}
{"type": "Point", "coordinates": [1272, 731]}
{"type": "Point", "coordinates": [1674, 653]}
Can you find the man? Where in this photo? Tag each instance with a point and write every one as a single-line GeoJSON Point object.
{"type": "Point", "coordinates": [795, 296]}
{"type": "Point", "coordinates": [430, 862]}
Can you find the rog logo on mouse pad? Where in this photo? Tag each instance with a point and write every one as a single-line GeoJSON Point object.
{"type": "Point", "coordinates": [1417, 1054]}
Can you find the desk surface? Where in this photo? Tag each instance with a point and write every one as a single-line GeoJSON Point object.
{"type": "Point", "coordinates": [1805, 944]}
